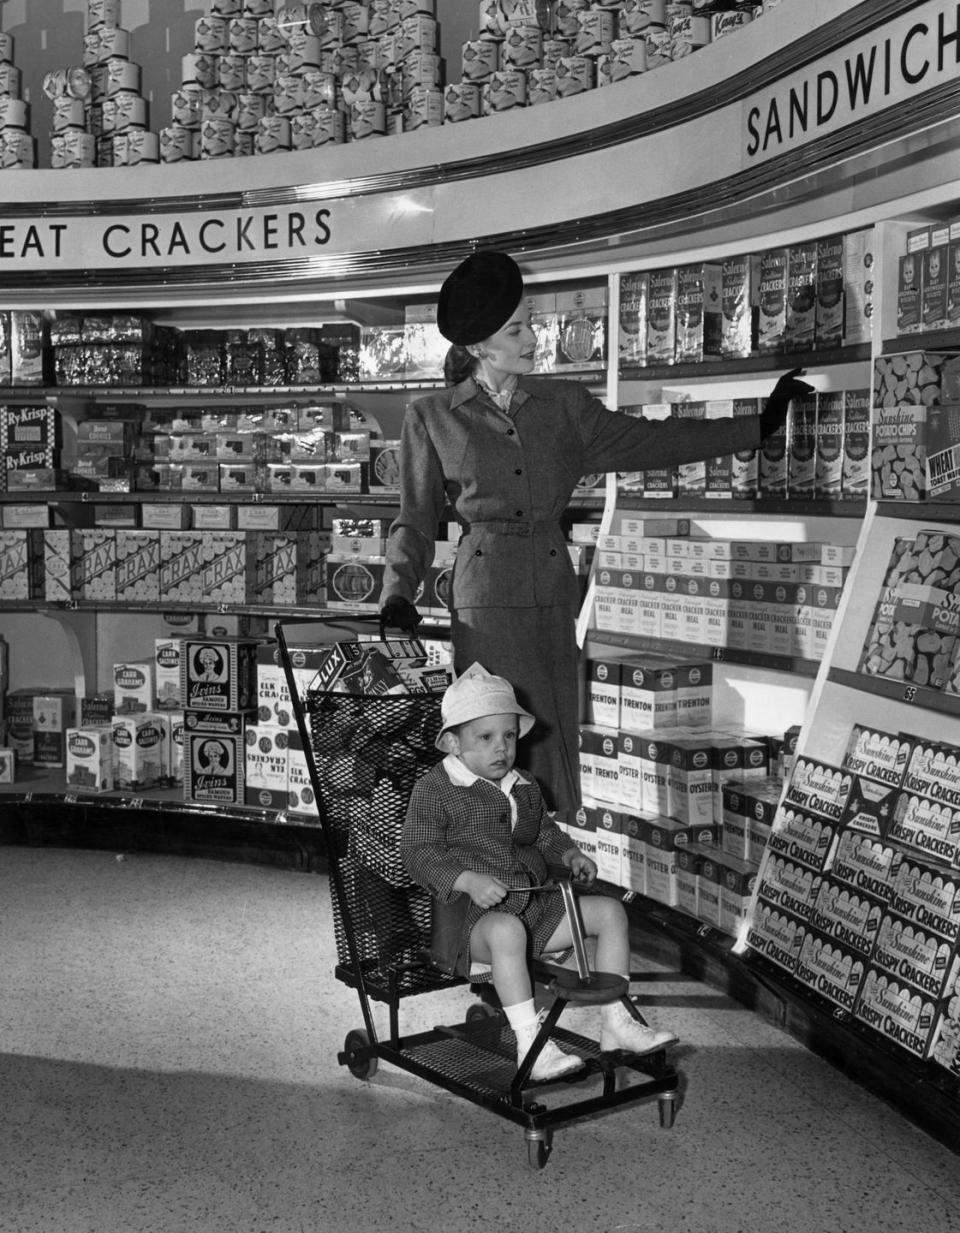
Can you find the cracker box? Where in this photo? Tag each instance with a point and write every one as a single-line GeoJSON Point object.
{"type": "Point", "coordinates": [743, 463]}
{"type": "Point", "coordinates": [708, 887]}
{"type": "Point", "coordinates": [788, 886]}
{"type": "Point", "coordinates": [866, 864]}
{"type": "Point", "coordinates": [137, 564]}
{"type": "Point", "coordinates": [832, 970]}
{"type": "Point", "coordinates": [661, 861]}
{"type": "Point", "coordinates": [776, 935]}
{"type": "Point", "coordinates": [828, 327]}
{"type": "Point", "coordinates": [699, 320]}
{"type": "Point", "coordinates": [609, 830]}
{"type": "Point", "coordinates": [688, 873]}
{"type": "Point", "coordinates": [928, 895]}
{"type": "Point", "coordinates": [603, 691]}
{"type": "Point", "coordinates": [739, 316]}
{"type": "Point", "coordinates": [802, 448]}
{"type": "Point", "coordinates": [93, 563]}
{"type": "Point", "coordinates": [772, 300]}
{"type": "Point", "coordinates": [881, 756]}
{"type": "Point", "coordinates": [53, 714]}
{"type": "Point", "coordinates": [736, 883]}
{"type": "Point", "coordinates": [916, 955]}
{"type": "Point", "coordinates": [773, 462]}
{"type": "Point", "coordinates": [943, 453]}
{"type": "Point", "coordinates": [828, 461]}
{"type": "Point", "coordinates": [953, 285]}
{"type": "Point", "coordinates": [928, 827]}
{"type": "Point", "coordinates": [633, 318]}
{"type": "Point", "coordinates": [898, 1011]}
{"type": "Point", "coordinates": [855, 478]}
{"type": "Point", "coordinates": [661, 316]}
{"type": "Point", "coordinates": [213, 768]}
{"type": "Point", "coordinates": [265, 759]}
{"type": "Point", "coordinates": [691, 476]}
{"type": "Point", "coordinates": [219, 674]}
{"type": "Point", "coordinates": [933, 312]}
{"type": "Point", "coordinates": [167, 674]}
{"type": "Point", "coordinates": [910, 294]}
{"type": "Point", "coordinates": [800, 319]}
{"type": "Point", "coordinates": [134, 687]}
{"type": "Point", "coordinates": [846, 915]}
{"type": "Point", "coordinates": [807, 839]}
{"type": "Point", "coordinates": [138, 750]}
{"type": "Point", "coordinates": [818, 787]}
{"type": "Point", "coordinates": [90, 759]}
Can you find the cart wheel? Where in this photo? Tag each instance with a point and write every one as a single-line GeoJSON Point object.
{"type": "Point", "coordinates": [539, 1146]}
{"type": "Point", "coordinates": [481, 1010]}
{"type": "Point", "coordinates": [668, 1109]}
{"type": "Point", "coordinates": [364, 1068]}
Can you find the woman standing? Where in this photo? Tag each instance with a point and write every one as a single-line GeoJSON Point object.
{"type": "Point", "coordinates": [505, 451]}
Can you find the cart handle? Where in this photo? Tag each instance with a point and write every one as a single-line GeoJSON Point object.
{"type": "Point", "coordinates": [565, 887]}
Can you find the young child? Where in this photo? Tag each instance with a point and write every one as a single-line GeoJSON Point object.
{"type": "Point", "coordinates": [475, 826]}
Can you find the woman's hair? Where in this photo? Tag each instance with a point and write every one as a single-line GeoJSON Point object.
{"type": "Point", "coordinates": [458, 365]}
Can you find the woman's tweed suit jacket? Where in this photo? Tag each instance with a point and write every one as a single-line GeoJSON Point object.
{"type": "Point", "coordinates": [450, 829]}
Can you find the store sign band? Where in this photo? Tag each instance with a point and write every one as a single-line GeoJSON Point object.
{"type": "Point", "coordinates": [892, 65]}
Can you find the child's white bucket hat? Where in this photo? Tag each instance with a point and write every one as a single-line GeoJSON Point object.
{"type": "Point", "coordinates": [476, 693]}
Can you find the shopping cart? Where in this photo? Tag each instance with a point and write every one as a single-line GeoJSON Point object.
{"type": "Point", "coordinates": [364, 753]}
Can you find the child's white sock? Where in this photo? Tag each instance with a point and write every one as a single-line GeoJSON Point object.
{"type": "Point", "coordinates": [521, 1014]}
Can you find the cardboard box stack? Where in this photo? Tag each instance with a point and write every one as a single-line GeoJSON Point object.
{"type": "Point", "coordinates": [858, 894]}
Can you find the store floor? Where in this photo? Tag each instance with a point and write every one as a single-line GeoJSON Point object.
{"type": "Point", "coordinates": [168, 1038]}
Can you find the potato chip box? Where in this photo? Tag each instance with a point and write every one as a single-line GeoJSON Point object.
{"type": "Point", "coordinates": [90, 759]}
{"type": "Point", "coordinates": [140, 748]}
{"type": "Point", "coordinates": [219, 674]}
{"type": "Point", "coordinates": [53, 714]}
{"type": "Point", "coordinates": [213, 767]}
{"type": "Point", "coordinates": [134, 687]}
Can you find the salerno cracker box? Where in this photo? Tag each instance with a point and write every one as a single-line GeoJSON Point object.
{"type": "Point", "coordinates": [661, 316]}
{"type": "Point", "coordinates": [772, 300]}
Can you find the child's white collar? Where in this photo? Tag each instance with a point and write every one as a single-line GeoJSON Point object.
{"type": "Point", "coordinates": [461, 776]}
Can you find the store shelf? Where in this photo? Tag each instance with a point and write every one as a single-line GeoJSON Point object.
{"type": "Point", "coordinates": [934, 340]}
{"type": "Point", "coordinates": [904, 692]}
{"type": "Point", "coordinates": [775, 362]}
{"type": "Point", "coordinates": [785, 507]}
{"type": "Point", "coordinates": [920, 511]}
{"type": "Point", "coordinates": [775, 663]}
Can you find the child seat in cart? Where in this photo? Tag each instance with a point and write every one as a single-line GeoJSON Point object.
{"type": "Point", "coordinates": [364, 752]}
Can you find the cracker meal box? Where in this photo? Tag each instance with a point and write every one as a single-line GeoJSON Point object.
{"type": "Point", "coordinates": [699, 320]}
{"type": "Point", "coordinates": [633, 317]}
{"type": "Point", "coordinates": [739, 312]}
{"type": "Point", "coordinates": [933, 296]}
{"type": "Point", "coordinates": [828, 317]}
{"type": "Point", "coordinates": [661, 316]}
{"type": "Point", "coordinates": [219, 674]}
{"type": "Point", "coordinates": [90, 759]}
{"type": "Point", "coordinates": [772, 300]}
{"type": "Point", "coordinates": [799, 332]}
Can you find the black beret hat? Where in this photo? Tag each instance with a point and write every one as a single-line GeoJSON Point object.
{"type": "Point", "coordinates": [479, 297]}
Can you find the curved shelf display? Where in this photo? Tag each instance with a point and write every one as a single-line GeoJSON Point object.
{"type": "Point", "coordinates": [772, 362]}
{"type": "Point", "coordinates": [903, 692]}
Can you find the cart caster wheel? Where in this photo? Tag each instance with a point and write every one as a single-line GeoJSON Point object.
{"type": "Point", "coordinates": [668, 1110]}
{"type": "Point", "coordinates": [478, 1011]}
{"type": "Point", "coordinates": [364, 1068]}
{"type": "Point", "coordinates": [539, 1146]}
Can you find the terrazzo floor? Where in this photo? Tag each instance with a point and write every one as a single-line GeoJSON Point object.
{"type": "Point", "coordinates": [168, 1038]}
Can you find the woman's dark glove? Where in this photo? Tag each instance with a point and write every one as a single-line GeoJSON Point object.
{"type": "Point", "coordinates": [399, 613]}
{"type": "Point", "coordinates": [774, 414]}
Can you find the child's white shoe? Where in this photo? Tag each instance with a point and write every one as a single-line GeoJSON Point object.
{"type": "Point", "coordinates": [620, 1031]}
{"type": "Point", "coordinates": [551, 1062]}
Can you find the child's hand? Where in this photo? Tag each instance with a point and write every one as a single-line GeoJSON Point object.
{"type": "Point", "coordinates": [484, 890]}
{"type": "Point", "coordinates": [582, 868]}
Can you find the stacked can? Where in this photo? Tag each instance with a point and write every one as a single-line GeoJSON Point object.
{"type": "Point", "coordinates": [17, 147]}
{"type": "Point", "coordinates": [115, 108]}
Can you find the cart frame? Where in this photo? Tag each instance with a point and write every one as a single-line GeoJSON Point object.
{"type": "Point", "coordinates": [475, 1058]}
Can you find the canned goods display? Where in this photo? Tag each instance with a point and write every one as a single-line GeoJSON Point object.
{"type": "Point", "coordinates": [479, 60]}
{"type": "Point", "coordinates": [541, 86]}
{"type": "Point", "coordinates": [270, 38]}
{"type": "Point", "coordinates": [142, 147]}
{"type": "Point", "coordinates": [423, 108]}
{"type": "Point", "coordinates": [10, 81]}
{"type": "Point", "coordinates": [384, 17]}
{"type": "Point", "coordinates": [301, 50]}
{"type": "Point", "coordinates": [258, 8]}
{"type": "Point", "coordinates": [216, 138]}
{"type": "Point", "coordinates": [251, 108]}
{"type": "Point", "coordinates": [121, 75]}
{"type": "Point", "coordinates": [317, 89]}
{"type": "Point", "coordinates": [575, 74]}
{"type": "Point", "coordinates": [91, 48]}
{"type": "Point", "coordinates": [72, 149]}
{"type": "Point", "coordinates": [332, 33]}
{"type": "Point", "coordinates": [210, 35]}
{"type": "Point", "coordinates": [218, 104]}
{"type": "Point", "coordinates": [226, 8]}
{"type": "Point", "coordinates": [113, 41]}
{"type": "Point", "coordinates": [368, 118]}
{"type": "Point", "coordinates": [461, 101]}
{"type": "Point", "coordinates": [102, 13]}
{"type": "Point", "coordinates": [6, 48]}
{"type": "Point", "coordinates": [67, 113]}
{"type": "Point", "coordinates": [506, 89]}
{"type": "Point", "coordinates": [17, 150]}
{"type": "Point", "coordinates": [130, 110]}
{"type": "Point", "coordinates": [231, 72]}
{"type": "Point", "coordinates": [638, 16]}
{"type": "Point", "coordinates": [300, 16]}
{"type": "Point", "coordinates": [68, 82]}
{"type": "Point", "coordinates": [178, 144]}
{"type": "Point", "coordinates": [14, 112]}
{"type": "Point", "coordinates": [566, 17]}
{"type": "Point", "coordinates": [261, 74]}
{"type": "Point", "coordinates": [414, 33]}
{"type": "Point", "coordinates": [523, 47]}
{"type": "Point", "coordinates": [356, 22]}
{"type": "Point", "coordinates": [186, 107]}
{"type": "Point", "coordinates": [199, 69]}
{"type": "Point", "coordinates": [330, 127]}
{"type": "Point", "coordinates": [273, 134]}
{"type": "Point", "coordinates": [243, 36]}
{"type": "Point", "coordinates": [597, 28]}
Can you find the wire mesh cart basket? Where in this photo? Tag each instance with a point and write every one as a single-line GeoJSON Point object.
{"type": "Point", "coordinates": [364, 753]}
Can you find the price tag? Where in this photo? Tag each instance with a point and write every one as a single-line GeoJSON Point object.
{"type": "Point", "coordinates": [70, 798]}
{"type": "Point", "coordinates": [135, 802]}
{"type": "Point", "coordinates": [703, 931]}
{"type": "Point", "coordinates": [718, 653]}
{"type": "Point", "coordinates": [910, 693]}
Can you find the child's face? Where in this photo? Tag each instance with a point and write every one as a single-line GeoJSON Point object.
{"type": "Point", "coordinates": [487, 746]}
